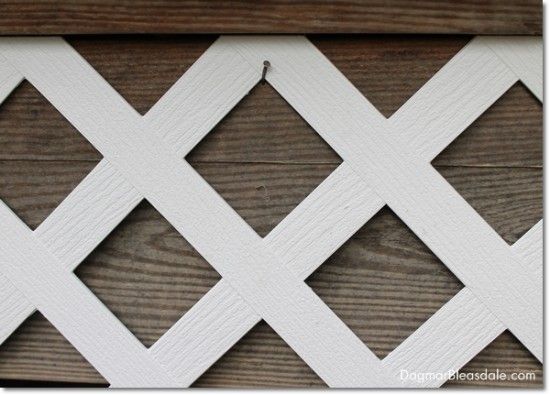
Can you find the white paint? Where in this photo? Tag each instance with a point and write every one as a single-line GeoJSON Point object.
{"type": "Point", "coordinates": [412, 188]}
{"type": "Point", "coordinates": [72, 308]}
{"type": "Point", "coordinates": [9, 79]}
{"type": "Point", "coordinates": [524, 57]}
{"type": "Point", "coordinates": [263, 278]}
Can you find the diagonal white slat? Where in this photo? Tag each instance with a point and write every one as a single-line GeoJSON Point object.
{"type": "Point", "coordinates": [451, 100]}
{"type": "Point", "coordinates": [447, 341]}
{"type": "Point", "coordinates": [414, 190]}
{"type": "Point", "coordinates": [488, 90]}
{"type": "Point", "coordinates": [95, 217]}
{"type": "Point", "coordinates": [450, 134]}
{"type": "Point", "coordinates": [72, 231]}
{"type": "Point", "coordinates": [459, 330]}
{"type": "Point", "coordinates": [103, 199]}
{"type": "Point", "coordinates": [10, 78]}
{"type": "Point", "coordinates": [291, 238]}
{"type": "Point", "coordinates": [524, 56]}
{"type": "Point", "coordinates": [72, 308]}
{"type": "Point", "coordinates": [530, 247]}
{"type": "Point", "coordinates": [512, 81]}
{"type": "Point", "coordinates": [198, 213]}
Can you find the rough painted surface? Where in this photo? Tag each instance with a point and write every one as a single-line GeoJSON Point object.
{"type": "Point", "coordinates": [293, 199]}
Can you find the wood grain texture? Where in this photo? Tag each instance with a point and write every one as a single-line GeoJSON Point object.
{"type": "Point", "coordinates": [277, 364]}
{"type": "Point", "coordinates": [505, 346]}
{"type": "Point", "coordinates": [58, 361]}
{"type": "Point", "coordinates": [510, 213]}
{"type": "Point", "coordinates": [33, 189]}
{"type": "Point", "coordinates": [141, 68]}
{"type": "Point", "coordinates": [410, 59]}
{"type": "Point", "coordinates": [384, 277]}
{"type": "Point", "coordinates": [378, 320]}
{"type": "Point", "coordinates": [508, 134]}
{"type": "Point", "coordinates": [34, 130]}
{"type": "Point", "coordinates": [160, 275]}
{"type": "Point", "coordinates": [39, 277]}
{"type": "Point", "coordinates": [274, 16]}
{"type": "Point", "coordinates": [372, 146]}
{"type": "Point", "coordinates": [250, 268]}
{"type": "Point", "coordinates": [524, 56]}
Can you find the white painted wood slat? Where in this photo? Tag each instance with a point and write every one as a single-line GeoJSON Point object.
{"type": "Point", "coordinates": [77, 313]}
{"type": "Point", "coordinates": [263, 278]}
{"type": "Point", "coordinates": [414, 190]}
{"type": "Point", "coordinates": [199, 214]}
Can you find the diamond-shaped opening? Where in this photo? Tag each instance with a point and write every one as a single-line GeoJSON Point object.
{"type": "Point", "coordinates": [37, 351]}
{"type": "Point", "coordinates": [263, 158]}
{"type": "Point", "coordinates": [260, 359]}
{"type": "Point", "coordinates": [141, 68]}
{"type": "Point", "coordinates": [496, 164]}
{"type": "Point", "coordinates": [384, 283]}
{"type": "Point", "coordinates": [36, 143]}
{"type": "Point", "coordinates": [507, 355]}
{"type": "Point", "coordinates": [389, 70]}
{"type": "Point", "coordinates": [147, 274]}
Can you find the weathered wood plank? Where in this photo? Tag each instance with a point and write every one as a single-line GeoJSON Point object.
{"type": "Point", "coordinates": [274, 16]}
{"type": "Point", "coordinates": [509, 199]}
{"type": "Point", "coordinates": [142, 68]}
{"type": "Point", "coordinates": [263, 180]}
{"type": "Point", "coordinates": [505, 346]}
{"type": "Point", "coordinates": [263, 194]}
{"type": "Point", "coordinates": [363, 282]}
{"type": "Point", "coordinates": [260, 356]}
{"type": "Point", "coordinates": [369, 60]}
{"type": "Point", "coordinates": [22, 353]}
{"type": "Point", "coordinates": [33, 189]}
{"type": "Point", "coordinates": [32, 129]}
{"type": "Point", "coordinates": [163, 275]}
{"type": "Point", "coordinates": [186, 200]}
{"type": "Point", "coordinates": [502, 136]}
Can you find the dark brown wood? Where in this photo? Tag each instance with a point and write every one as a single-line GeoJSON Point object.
{"type": "Point", "coordinates": [271, 16]}
{"type": "Point", "coordinates": [383, 283]}
{"type": "Point", "coordinates": [504, 346]}
{"type": "Point", "coordinates": [264, 159]}
{"type": "Point", "coordinates": [141, 69]}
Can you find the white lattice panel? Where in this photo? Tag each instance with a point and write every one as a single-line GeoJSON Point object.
{"type": "Point", "coordinates": [386, 161]}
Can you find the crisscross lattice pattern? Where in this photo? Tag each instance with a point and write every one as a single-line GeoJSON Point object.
{"type": "Point", "coordinates": [386, 161]}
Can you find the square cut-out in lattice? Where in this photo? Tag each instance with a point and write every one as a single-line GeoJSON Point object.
{"type": "Point", "coordinates": [263, 158]}
{"type": "Point", "coordinates": [35, 142]}
{"type": "Point", "coordinates": [384, 283]}
{"type": "Point", "coordinates": [147, 274]}
{"type": "Point", "coordinates": [496, 164]}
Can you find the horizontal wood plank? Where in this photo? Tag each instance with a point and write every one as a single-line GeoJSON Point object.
{"type": "Point", "coordinates": [264, 159]}
{"type": "Point", "coordinates": [32, 129]}
{"type": "Point", "coordinates": [368, 282]}
{"type": "Point", "coordinates": [504, 345]}
{"type": "Point", "coordinates": [273, 16]}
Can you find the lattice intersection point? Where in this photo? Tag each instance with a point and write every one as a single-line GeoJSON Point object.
{"type": "Point", "coordinates": [386, 161]}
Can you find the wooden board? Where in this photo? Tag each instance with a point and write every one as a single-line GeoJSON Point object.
{"type": "Point", "coordinates": [274, 16]}
{"type": "Point", "coordinates": [280, 144]}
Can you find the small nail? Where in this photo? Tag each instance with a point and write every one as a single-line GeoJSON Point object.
{"type": "Point", "coordinates": [264, 71]}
